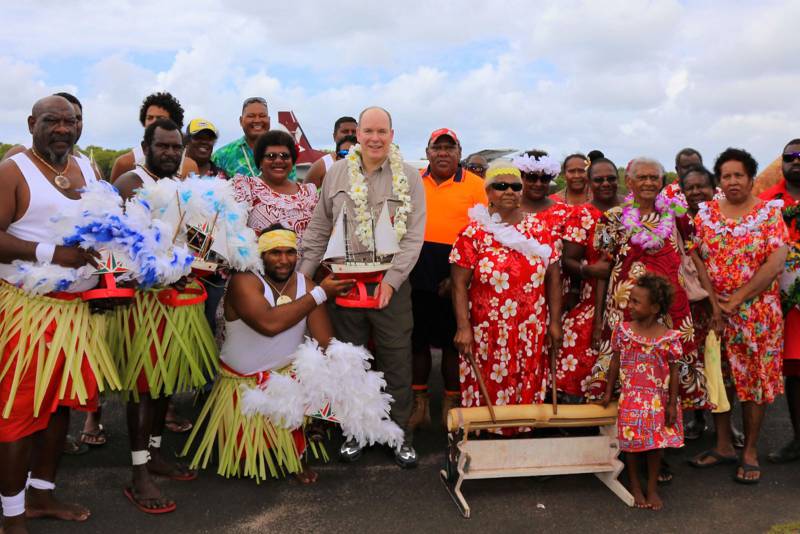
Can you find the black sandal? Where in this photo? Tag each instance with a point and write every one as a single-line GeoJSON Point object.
{"type": "Point", "coordinates": [747, 468]}
{"type": "Point", "coordinates": [697, 461]}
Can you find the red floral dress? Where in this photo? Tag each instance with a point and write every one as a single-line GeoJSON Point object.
{"type": "Point", "coordinates": [733, 251]}
{"type": "Point", "coordinates": [790, 279]}
{"type": "Point", "coordinates": [630, 262]}
{"type": "Point", "coordinates": [555, 217]}
{"type": "Point", "coordinates": [644, 389]}
{"type": "Point", "coordinates": [266, 207]}
{"type": "Point", "coordinates": [577, 357]}
{"type": "Point", "coordinates": [508, 313]}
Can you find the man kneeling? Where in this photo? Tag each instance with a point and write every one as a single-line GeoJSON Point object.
{"type": "Point", "coordinates": [265, 322]}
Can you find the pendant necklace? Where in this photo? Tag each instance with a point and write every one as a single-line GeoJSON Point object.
{"type": "Point", "coordinates": [282, 299]}
{"type": "Point", "coordinates": [61, 181]}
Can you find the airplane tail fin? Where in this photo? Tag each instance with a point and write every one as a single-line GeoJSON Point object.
{"type": "Point", "coordinates": [305, 153]}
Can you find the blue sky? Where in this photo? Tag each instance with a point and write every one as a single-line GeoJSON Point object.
{"type": "Point", "coordinates": [636, 77]}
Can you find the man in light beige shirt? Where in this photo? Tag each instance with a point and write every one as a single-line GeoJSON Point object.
{"type": "Point", "coordinates": [392, 322]}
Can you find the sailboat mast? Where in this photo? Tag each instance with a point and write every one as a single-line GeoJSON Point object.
{"type": "Point", "coordinates": [348, 256]}
{"type": "Point", "coordinates": [374, 254]}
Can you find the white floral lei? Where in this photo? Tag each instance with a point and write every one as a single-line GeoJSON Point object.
{"type": "Point", "coordinates": [509, 236]}
{"type": "Point", "coordinates": [359, 193]}
{"type": "Point", "coordinates": [748, 224]}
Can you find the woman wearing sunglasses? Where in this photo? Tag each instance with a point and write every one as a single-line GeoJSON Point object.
{"type": "Point", "coordinates": [581, 262]}
{"type": "Point", "coordinates": [272, 197]}
{"type": "Point", "coordinates": [506, 296]}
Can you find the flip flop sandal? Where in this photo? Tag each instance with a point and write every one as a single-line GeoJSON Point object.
{"type": "Point", "coordinates": [130, 493]}
{"type": "Point", "coordinates": [179, 474]}
{"type": "Point", "coordinates": [747, 468]}
{"type": "Point", "coordinates": [720, 459]}
{"type": "Point", "coordinates": [73, 447]}
{"type": "Point", "coordinates": [179, 425]}
{"type": "Point", "coordinates": [99, 435]}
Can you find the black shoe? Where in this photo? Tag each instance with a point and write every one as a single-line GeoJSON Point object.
{"type": "Point", "coordinates": [694, 429]}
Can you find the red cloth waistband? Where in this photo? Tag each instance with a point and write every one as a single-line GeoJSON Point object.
{"type": "Point", "coordinates": [261, 376]}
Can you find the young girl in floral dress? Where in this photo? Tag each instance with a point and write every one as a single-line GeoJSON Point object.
{"type": "Point", "coordinates": [646, 357]}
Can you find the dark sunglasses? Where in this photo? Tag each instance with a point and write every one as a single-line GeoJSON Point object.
{"type": "Point", "coordinates": [612, 179]}
{"type": "Point", "coordinates": [476, 168]}
{"type": "Point", "coordinates": [503, 186]}
{"type": "Point", "coordinates": [342, 153]}
{"type": "Point", "coordinates": [272, 156]}
{"type": "Point", "coordinates": [535, 177]}
{"type": "Point", "coordinates": [791, 156]}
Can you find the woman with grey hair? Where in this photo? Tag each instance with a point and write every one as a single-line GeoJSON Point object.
{"type": "Point", "coordinates": [643, 235]}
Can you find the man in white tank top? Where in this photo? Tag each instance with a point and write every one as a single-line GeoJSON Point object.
{"type": "Point", "coordinates": [266, 319]}
{"type": "Point", "coordinates": [35, 184]}
{"type": "Point", "coordinates": [342, 128]}
{"type": "Point", "coordinates": [148, 391]}
{"type": "Point", "coordinates": [154, 107]}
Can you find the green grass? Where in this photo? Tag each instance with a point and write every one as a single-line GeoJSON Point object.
{"type": "Point", "coordinates": [786, 528]}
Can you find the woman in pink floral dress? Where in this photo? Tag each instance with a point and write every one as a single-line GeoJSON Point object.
{"type": "Point", "coordinates": [272, 198]}
{"type": "Point", "coordinates": [743, 242]}
{"type": "Point", "coordinates": [506, 297]}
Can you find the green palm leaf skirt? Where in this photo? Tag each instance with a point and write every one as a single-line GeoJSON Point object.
{"type": "Point", "coordinates": [162, 342]}
{"type": "Point", "coordinates": [246, 445]}
{"type": "Point", "coordinates": [59, 338]}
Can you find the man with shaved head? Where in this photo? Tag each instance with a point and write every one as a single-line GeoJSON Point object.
{"type": "Point", "coordinates": [34, 405]}
{"type": "Point", "coordinates": [391, 323]}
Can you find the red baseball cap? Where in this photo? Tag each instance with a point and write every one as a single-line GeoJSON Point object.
{"type": "Point", "coordinates": [441, 132]}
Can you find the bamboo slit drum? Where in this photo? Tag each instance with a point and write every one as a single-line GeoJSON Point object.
{"type": "Point", "coordinates": [469, 458]}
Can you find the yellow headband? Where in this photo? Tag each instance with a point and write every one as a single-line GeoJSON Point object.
{"type": "Point", "coordinates": [275, 239]}
{"type": "Point", "coordinates": [500, 170]}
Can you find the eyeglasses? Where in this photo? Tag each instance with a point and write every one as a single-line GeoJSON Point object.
{"type": "Point", "coordinates": [254, 100]}
{"type": "Point", "coordinates": [611, 179]}
{"type": "Point", "coordinates": [533, 177]}
{"type": "Point", "coordinates": [272, 156]}
{"type": "Point", "coordinates": [473, 167]}
{"type": "Point", "coordinates": [791, 156]}
{"type": "Point", "coordinates": [504, 186]}
{"type": "Point", "coordinates": [342, 153]}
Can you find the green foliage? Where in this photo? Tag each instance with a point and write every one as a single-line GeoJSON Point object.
{"type": "Point", "coordinates": [4, 147]}
{"type": "Point", "coordinates": [104, 157]}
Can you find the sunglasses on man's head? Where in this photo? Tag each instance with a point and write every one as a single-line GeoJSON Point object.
{"type": "Point", "coordinates": [272, 156]}
{"type": "Point", "coordinates": [532, 177]}
{"type": "Point", "coordinates": [503, 186]}
{"type": "Point", "coordinates": [791, 156]}
{"type": "Point", "coordinates": [474, 167]}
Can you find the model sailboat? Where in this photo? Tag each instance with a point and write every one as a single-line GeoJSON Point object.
{"type": "Point", "coordinates": [365, 266]}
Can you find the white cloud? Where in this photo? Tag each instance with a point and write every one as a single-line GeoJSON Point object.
{"type": "Point", "coordinates": [628, 77]}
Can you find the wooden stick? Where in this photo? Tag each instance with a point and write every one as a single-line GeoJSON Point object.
{"type": "Point", "coordinates": [482, 386]}
{"type": "Point", "coordinates": [180, 220]}
{"type": "Point", "coordinates": [209, 237]}
{"type": "Point", "coordinates": [553, 353]}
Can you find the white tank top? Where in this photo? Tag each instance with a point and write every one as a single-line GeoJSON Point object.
{"type": "Point", "coordinates": [328, 160]}
{"type": "Point", "coordinates": [248, 352]}
{"type": "Point", "coordinates": [138, 155]}
{"type": "Point", "coordinates": [45, 200]}
{"type": "Point", "coordinates": [146, 178]}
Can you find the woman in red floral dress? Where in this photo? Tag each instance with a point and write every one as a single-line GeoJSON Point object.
{"type": "Point", "coordinates": [644, 243]}
{"type": "Point", "coordinates": [506, 296]}
{"type": "Point", "coordinates": [743, 241]}
{"type": "Point", "coordinates": [580, 261]}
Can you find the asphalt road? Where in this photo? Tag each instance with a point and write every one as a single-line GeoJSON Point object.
{"type": "Point", "coordinates": [376, 496]}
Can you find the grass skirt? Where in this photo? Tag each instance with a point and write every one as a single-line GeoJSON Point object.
{"type": "Point", "coordinates": [164, 346]}
{"type": "Point", "coordinates": [247, 445]}
{"type": "Point", "coordinates": [38, 331]}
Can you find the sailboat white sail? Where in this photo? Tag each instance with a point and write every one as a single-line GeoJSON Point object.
{"type": "Point", "coordinates": [385, 236]}
{"type": "Point", "coordinates": [336, 245]}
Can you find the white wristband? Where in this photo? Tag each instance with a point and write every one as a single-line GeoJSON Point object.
{"type": "Point", "coordinates": [319, 295]}
{"type": "Point", "coordinates": [45, 252]}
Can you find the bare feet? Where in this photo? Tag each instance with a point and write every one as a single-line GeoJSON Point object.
{"type": "Point", "coordinates": [307, 475]}
{"type": "Point", "coordinates": [639, 500]}
{"type": "Point", "coordinates": [654, 501]}
{"type": "Point", "coordinates": [144, 493]}
{"type": "Point", "coordinates": [14, 525]}
{"type": "Point", "coordinates": [42, 503]}
{"type": "Point", "coordinates": [158, 465]}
